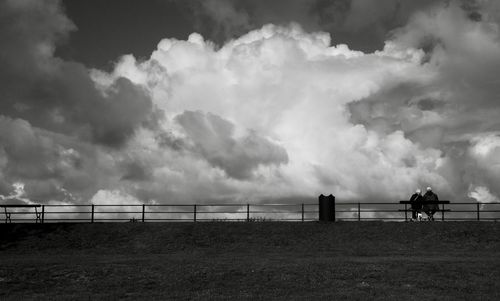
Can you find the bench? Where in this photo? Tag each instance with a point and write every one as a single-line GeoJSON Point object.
{"type": "Point", "coordinates": [442, 209]}
{"type": "Point", "coordinates": [38, 215]}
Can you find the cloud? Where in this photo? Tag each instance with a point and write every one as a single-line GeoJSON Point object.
{"type": "Point", "coordinates": [214, 138]}
{"type": "Point", "coordinates": [458, 109]}
{"type": "Point", "coordinates": [17, 196]}
{"type": "Point", "coordinates": [49, 164]}
{"type": "Point", "coordinates": [56, 125]}
{"type": "Point", "coordinates": [56, 94]}
{"type": "Point", "coordinates": [291, 87]}
{"type": "Point", "coordinates": [483, 195]}
{"type": "Point", "coordinates": [485, 162]}
{"type": "Point", "coordinates": [275, 113]}
{"type": "Point", "coordinates": [363, 24]}
{"type": "Point", "coordinates": [105, 199]}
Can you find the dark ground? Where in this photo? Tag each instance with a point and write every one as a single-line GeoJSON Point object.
{"type": "Point", "coordinates": [255, 260]}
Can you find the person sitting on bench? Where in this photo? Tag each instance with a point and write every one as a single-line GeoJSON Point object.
{"type": "Point", "coordinates": [429, 207]}
{"type": "Point", "coordinates": [416, 204]}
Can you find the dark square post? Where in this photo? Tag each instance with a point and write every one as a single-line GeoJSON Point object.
{"type": "Point", "coordinates": [326, 208]}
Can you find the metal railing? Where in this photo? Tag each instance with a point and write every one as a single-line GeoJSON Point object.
{"type": "Point", "coordinates": [346, 211]}
{"type": "Point", "coordinates": [394, 211]}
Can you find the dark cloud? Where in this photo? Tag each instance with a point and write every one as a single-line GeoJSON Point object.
{"type": "Point", "coordinates": [30, 32]}
{"type": "Point", "coordinates": [136, 171]}
{"type": "Point", "coordinates": [428, 104]}
{"type": "Point", "coordinates": [114, 118]}
{"type": "Point", "coordinates": [49, 164]}
{"type": "Point", "coordinates": [362, 24]}
{"type": "Point", "coordinates": [169, 140]}
{"type": "Point", "coordinates": [58, 95]}
{"type": "Point", "coordinates": [27, 153]}
{"type": "Point", "coordinates": [137, 27]}
{"type": "Point", "coordinates": [53, 119]}
{"type": "Point", "coordinates": [387, 110]}
{"type": "Point", "coordinates": [463, 89]}
{"type": "Point", "coordinates": [214, 137]}
{"type": "Point", "coordinates": [473, 9]}
{"type": "Point", "coordinates": [466, 54]}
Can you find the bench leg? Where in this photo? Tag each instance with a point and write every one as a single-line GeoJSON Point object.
{"type": "Point", "coordinates": [38, 216]}
{"type": "Point", "coordinates": [7, 216]}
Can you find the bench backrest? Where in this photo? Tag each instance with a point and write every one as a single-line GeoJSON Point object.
{"type": "Point", "coordinates": [427, 202]}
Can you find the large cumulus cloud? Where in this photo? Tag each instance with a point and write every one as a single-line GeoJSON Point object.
{"type": "Point", "coordinates": [275, 113]}
{"type": "Point", "coordinates": [292, 88]}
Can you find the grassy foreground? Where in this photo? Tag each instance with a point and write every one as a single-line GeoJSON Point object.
{"type": "Point", "coordinates": [255, 260]}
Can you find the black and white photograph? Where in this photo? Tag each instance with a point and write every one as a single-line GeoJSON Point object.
{"type": "Point", "coordinates": [249, 149]}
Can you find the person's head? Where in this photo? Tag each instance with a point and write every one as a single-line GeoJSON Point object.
{"type": "Point", "coordinates": [418, 191]}
{"type": "Point", "coordinates": [429, 188]}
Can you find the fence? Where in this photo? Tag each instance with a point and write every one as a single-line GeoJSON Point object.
{"type": "Point", "coordinates": [351, 211]}
{"type": "Point", "coordinates": [391, 211]}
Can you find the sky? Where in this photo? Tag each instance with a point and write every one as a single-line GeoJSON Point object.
{"type": "Point", "coordinates": [170, 101]}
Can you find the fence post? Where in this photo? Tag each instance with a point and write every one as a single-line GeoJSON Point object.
{"type": "Point", "coordinates": [248, 212]}
{"type": "Point", "coordinates": [92, 214]}
{"type": "Point", "coordinates": [43, 214]}
{"type": "Point", "coordinates": [478, 208]}
{"type": "Point", "coordinates": [194, 213]}
{"type": "Point", "coordinates": [442, 212]}
{"type": "Point", "coordinates": [406, 212]}
{"type": "Point", "coordinates": [143, 211]}
{"type": "Point", "coordinates": [302, 212]}
{"type": "Point", "coordinates": [359, 212]}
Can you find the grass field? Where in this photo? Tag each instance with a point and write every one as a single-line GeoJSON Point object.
{"type": "Point", "coordinates": [255, 260]}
